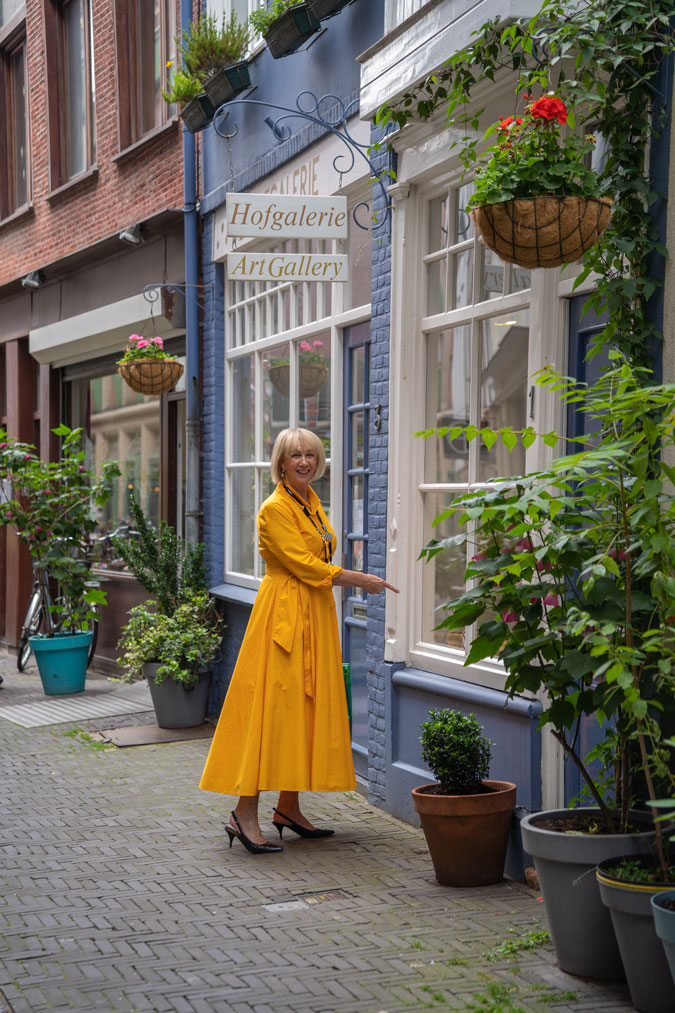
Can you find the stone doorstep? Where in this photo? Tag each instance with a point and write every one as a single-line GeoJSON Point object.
{"type": "Point", "coordinates": [151, 734]}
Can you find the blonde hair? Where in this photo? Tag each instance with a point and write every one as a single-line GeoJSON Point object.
{"type": "Point", "coordinates": [287, 441]}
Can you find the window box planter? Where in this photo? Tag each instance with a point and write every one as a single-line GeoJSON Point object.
{"type": "Point", "coordinates": [151, 376]}
{"type": "Point", "coordinates": [226, 83]}
{"type": "Point", "coordinates": [323, 9]}
{"type": "Point", "coordinates": [542, 231]}
{"type": "Point", "coordinates": [289, 31]}
{"type": "Point", "coordinates": [197, 113]}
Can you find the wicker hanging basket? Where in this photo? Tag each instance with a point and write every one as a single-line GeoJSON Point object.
{"type": "Point", "coordinates": [151, 376]}
{"type": "Point", "coordinates": [542, 231]}
{"type": "Point", "coordinates": [312, 378]}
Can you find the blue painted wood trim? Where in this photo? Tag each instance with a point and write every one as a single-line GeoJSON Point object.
{"type": "Point", "coordinates": [234, 593]}
{"type": "Point", "coordinates": [456, 689]}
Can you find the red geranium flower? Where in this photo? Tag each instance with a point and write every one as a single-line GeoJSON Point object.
{"type": "Point", "coordinates": [549, 108]}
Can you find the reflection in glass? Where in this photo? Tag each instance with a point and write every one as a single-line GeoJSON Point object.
{"type": "Point", "coordinates": [358, 660]}
{"type": "Point", "coordinates": [436, 287]}
{"type": "Point", "coordinates": [358, 374]}
{"type": "Point", "coordinates": [448, 391]}
{"type": "Point", "coordinates": [464, 226]}
{"type": "Point", "coordinates": [503, 392]}
{"type": "Point", "coordinates": [463, 269]}
{"type": "Point", "coordinates": [493, 275]}
{"type": "Point", "coordinates": [444, 574]}
{"type": "Point", "coordinates": [276, 402]}
{"type": "Point", "coordinates": [357, 440]}
{"type": "Point", "coordinates": [438, 224]}
{"type": "Point", "coordinates": [356, 521]}
{"type": "Point", "coordinates": [322, 488]}
{"type": "Point", "coordinates": [243, 507]}
{"type": "Point", "coordinates": [314, 368]}
{"type": "Point", "coordinates": [521, 278]}
{"type": "Point", "coordinates": [360, 268]}
{"type": "Point", "coordinates": [243, 409]}
{"type": "Point", "coordinates": [76, 88]}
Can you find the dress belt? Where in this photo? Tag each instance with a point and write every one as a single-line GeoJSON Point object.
{"type": "Point", "coordinates": [292, 605]}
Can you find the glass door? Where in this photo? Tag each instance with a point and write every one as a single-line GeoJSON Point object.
{"type": "Point", "coordinates": [355, 534]}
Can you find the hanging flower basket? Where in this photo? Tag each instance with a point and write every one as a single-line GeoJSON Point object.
{"type": "Point", "coordinates": [290, 30]}
{"type": "Point", "coordinates": [323, 9]}
{"type": "Point", "coordinates": [542, 231]}
{"type": "Point", "coordinates": [227, 82]}
{"type": "Point", "coordinates": [151, 376]}
{"type": "Point", "coordinates": [312, 378]}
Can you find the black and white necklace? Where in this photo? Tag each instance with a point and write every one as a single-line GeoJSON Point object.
{"type": "Point", "coordinates": [323, 532]}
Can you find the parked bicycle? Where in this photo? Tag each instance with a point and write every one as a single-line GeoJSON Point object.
{"type": "Point", "coordinates": [39, 618]}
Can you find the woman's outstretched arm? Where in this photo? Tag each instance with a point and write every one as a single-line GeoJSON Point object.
{"type": "Point", "coordinates": [368, 581]}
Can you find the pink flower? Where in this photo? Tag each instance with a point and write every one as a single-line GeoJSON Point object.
{"type": "Point", "coordinates": [3, 446]}
{"type": "Point", "coordinates": [551, 599]}
{"type": "Point", "coordinates": [317, 344]}
{"type": "Point", "coordinates": [142, 343]}
{"type": "Point", "coordinates": [305, 346]}
{"type": "Point", "coordinates": [26, 457]}
{"type": "Point", "coordinates": [479, 555]}
{"type": "Point", "coordinates": [158, 341]}
{"type": "Point", "coordinates": [81, 468]}
{"type": "Point", "coordinates": [543, 565]}
{"type": "Point", "coordinates": [509, 616]}
{"type": "Point", "coordinates": [135, 337]}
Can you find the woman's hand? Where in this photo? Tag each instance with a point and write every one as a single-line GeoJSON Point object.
{"type": "Point", "coordinates": [368, 581]}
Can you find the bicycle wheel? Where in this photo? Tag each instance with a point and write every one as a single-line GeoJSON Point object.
{"type": "Point", "coordinates": [31, 626]}
{"type": "Point", "coordinates": [93, 626]}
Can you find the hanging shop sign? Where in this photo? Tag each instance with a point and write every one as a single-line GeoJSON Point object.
{"type": "Point", "coordinates": [281, 216]}
{"type": "Point", "coordinates": [287, 267]}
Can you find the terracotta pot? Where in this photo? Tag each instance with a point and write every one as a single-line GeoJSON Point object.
{"type": "Point", "coordinates": [151, 376]}
{"type": "Point", "coordinates": [467, 835]}
{"type": "Point", "coordinates": [542, 231]}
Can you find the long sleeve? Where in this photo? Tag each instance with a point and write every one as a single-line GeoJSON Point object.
{"type": "Point", "coordinates": [280, 536]}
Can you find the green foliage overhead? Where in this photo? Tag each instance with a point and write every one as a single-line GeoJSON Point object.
{"type": "Point", "coordinates": [457, 752]}
{"type": "Point", "coordinates": [266, 16]}
{"type": "Point", "coordinates": [162, 562]}
{"type": "Point", "coordinates": [604, 59]}
{"type": "Point", "coordinates": [52, 506]}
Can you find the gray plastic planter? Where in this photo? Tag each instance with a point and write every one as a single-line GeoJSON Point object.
{"type": "Point", "coordinates": [664, 923]}
{"type": "Point", "coordinates": [647, 971]}
{"type": "Point", "coordinates": [175, 706]}
{"type": "Point", "coordinates": [581, 927]}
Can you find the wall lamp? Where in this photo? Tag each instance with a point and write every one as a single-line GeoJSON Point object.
{"type": "Point", "coordinates": [134, 235]}
{"type": "Point", "coordinates": [34, 279]}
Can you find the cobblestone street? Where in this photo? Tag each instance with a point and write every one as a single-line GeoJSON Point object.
{"type": "Point", "coordinates": [119, 893]}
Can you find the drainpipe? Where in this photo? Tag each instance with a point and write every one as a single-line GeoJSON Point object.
{"type": "Point", "coordinates": [193, 422]}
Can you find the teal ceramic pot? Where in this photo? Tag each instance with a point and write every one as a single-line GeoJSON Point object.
{"type": "Point", "coordinates": [62, 661]}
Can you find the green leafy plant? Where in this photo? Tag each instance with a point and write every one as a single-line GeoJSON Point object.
{"type": "Point", "coordinates": [183, 87]}
{"type": "Point", "coordinates": [532, 159]}
{"type": "Point", "coordinates": [208, 46]}
{"type": "Point", "coordinates": [51, 505]}
{"type": "Point", "coordinates": [183, 644]}
{"type": "Point", "coordinates": [607, 58]}
{"type": "Point", "coordinates": [264, 17]}
{"type": "Point", "coordinates": [456, 751]}
{"type": "Point", "coordinates": [144, 348]}
{"type": "Point", "coordinates": [573, 572]}
{"type": "Point", "coordinates": [162, 562]}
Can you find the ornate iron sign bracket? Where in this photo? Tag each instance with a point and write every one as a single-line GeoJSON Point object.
{"type": "Point", "coordinates": [333, 121]}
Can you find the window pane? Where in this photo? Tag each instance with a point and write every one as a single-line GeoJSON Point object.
{"type": "Point", "coordinates": [19, 187]}
{"type": "Point", "coordinates": [464, 221]}
{"type": "Point", "coordinates": [504, 350]}
{"type": "Point", "coordinates": [438, 224]}
{"type": "Point", "coordinates": [314, 386]}
{"type": "Point", "coordinates": [493, 275]}
{"type": "Point", "coordinates": [360, 266]}
{"type": "Point", "coordinates": [76, 116]}
{"type": "Point", "coordinates": [521, 278]}
{"type": "Point", "coordinates": [443, 576]}
{"type": "Point", "coordinates": [463, 278]}
{"type": "Point", "coordinates": [243, 409]}
{"type": "Point", "coordinates": [149, 55]}
{"type": "Point", "coordinates": [436, 286]}
{"type": "Point", "coordinates": [448, 392]}
{"type": "Point", "coordinates": [242, 504]}
{"type": "Point", "coordinates": [276, 402]}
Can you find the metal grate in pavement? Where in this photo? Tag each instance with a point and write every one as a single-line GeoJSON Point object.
{"type": "Point", "coordinates": [79, 707]}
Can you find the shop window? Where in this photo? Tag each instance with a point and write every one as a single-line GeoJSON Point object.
{"type": "Point", "coordinates": [475, 344]}
{"type": "Point", "coordinates": [145, 31]}
{"type": "Point", "coordinates": [71, 90]}
{"type": "Point", "coordinates": [3, 387]}
{"type": "Point", "coordinates": [282, 345]}
{"type": "Point", "coordinates": [14, 137]}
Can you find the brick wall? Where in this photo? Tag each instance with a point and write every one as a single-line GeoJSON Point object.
{"type": "Point", "coordinates": [121, 193]}
{"type": "Point", "coordinates": [378, 671]}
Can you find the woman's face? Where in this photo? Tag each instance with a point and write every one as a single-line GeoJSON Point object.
{"type": "Point", "coordinates": [299, 466]}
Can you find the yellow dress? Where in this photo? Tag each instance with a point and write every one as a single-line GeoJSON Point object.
{"type": "Point", "coordinates": [284, 724]}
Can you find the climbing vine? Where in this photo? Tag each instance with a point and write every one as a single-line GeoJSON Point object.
{"type": "Point", "coordinates": [608, 60]}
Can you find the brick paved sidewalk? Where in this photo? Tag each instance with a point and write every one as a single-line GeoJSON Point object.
{"type": "Point", "coordinates": [118, 892]}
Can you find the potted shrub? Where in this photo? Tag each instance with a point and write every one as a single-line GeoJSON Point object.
{"type": "Point", "coordinates": [51, 507]}
{"type": "Point", "coordinates": [285, 25]}
{"type": "Point", "coordinates": [174, 653]}
{"type": "Point", "coordinates": [313, 370]}
{"type": "Point", "coordinates": [147, 368]}
{"type": "Point", "coordinates": [571, 576]}
{"type": "Point", "coordinates": [536, 203]}
{"type": "Point", "coordinates": [187, 91]}
{"type": "Point", "coordinates": [464, 816]}
{"type": "Point", "coordinates": [214, 55]}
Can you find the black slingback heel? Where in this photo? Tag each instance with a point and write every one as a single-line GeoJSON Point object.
{"type": "Point", "coordinates": [297, 829]}
{"type": "Point", "coordinates": [255, 849]}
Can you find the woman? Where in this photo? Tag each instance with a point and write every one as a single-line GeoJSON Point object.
{"type": "Point", "coordinates": [284, 724]}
